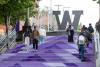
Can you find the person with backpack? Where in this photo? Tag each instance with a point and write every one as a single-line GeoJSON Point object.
{"type": "Point", "coordinates": [35, 38]}
{"type": "Point", "coordinates": [81, 45]}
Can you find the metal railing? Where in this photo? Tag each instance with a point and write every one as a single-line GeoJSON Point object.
{"type": "Point", "coordinates": [11, 39]}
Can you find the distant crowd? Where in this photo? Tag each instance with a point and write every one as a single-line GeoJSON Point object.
{"type": "Point", "coordinates": [38, 35]}
{"type": "Point", "coordinates": [84, 38]}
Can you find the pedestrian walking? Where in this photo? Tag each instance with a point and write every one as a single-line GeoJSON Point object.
{"type": "Point", "coordinates": [35, 38]}
{"type": "Point", "coordinates": [42, 36]}
{"type": "Point", "coordinates": [70, 32]}
{"type": "Point", "coordinates": [81, 45]}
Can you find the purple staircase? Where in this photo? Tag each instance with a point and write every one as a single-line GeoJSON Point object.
{"type": "Point", "coordinates": [56, 52]}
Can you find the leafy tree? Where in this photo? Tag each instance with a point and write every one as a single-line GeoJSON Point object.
{"type": "Point", "coordinates": [21, 14]}
{"type": "Point", "coordinates": [13, 8]}
{"type": "Point", "coordinates": [98, 1]}
{"type": "Point", "coordinates": [3, 1]}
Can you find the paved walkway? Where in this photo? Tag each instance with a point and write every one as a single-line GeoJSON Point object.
{"type": "Point", "coordinates": [56, 52]}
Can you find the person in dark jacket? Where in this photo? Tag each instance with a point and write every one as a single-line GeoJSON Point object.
{"type": "Point", "coordinates": [91, 30]}
{"type": "Point", "coordinates": [70, 32]}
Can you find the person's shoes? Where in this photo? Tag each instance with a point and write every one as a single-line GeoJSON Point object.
{"type": "Point", "coordinates": [36, 50]}
{"type": "Point", "coordinates": [85, 51]}
{"type": "Point", "coordinates": [83, 60]}
{"type": "Point", "coordinates": [33, 49]}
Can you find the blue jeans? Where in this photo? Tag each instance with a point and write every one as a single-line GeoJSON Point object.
{"type": "Point", "coordinates": [81, 51]}
{"type": "Point", "coordinates": [41, 39]}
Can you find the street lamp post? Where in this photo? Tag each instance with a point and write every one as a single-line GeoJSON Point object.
{"type": "Point", "coordinates": [50, 15]}
{"type": "Point", "coordinates": [64, 8]}
{"type": "Point", "coordinates": [99, 11]}
{"type": "Point", "coordinates": [58, 6]}
{"type": "Point", "coordinates": [28, 13]}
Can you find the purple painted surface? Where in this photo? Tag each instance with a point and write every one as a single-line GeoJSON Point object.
{"type": "Point", "coordinates": [56, 52]}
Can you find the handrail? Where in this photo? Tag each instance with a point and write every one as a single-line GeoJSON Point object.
{"type": "Point", "coordinates": [11, 34]}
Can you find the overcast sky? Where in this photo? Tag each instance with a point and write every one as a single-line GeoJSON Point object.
{"type": "Point", "coordinates": [90, 8]}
